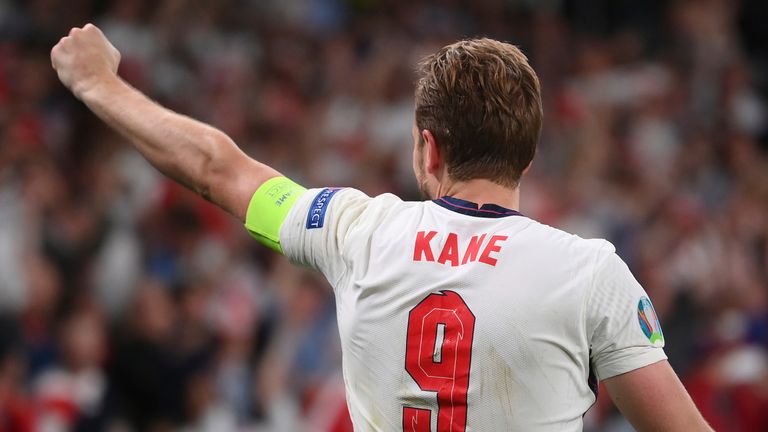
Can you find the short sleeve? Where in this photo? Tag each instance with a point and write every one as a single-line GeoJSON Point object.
{"type": "Point", "coordinates": [317, 230]}
{"type": "Point", "coordinates": [622, 326]}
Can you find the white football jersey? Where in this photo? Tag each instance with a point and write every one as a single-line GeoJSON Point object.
{"type": "Point", "coordinates": [458, 318]}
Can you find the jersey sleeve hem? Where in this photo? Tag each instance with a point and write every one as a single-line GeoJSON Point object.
{"type": "Point", "coordinates": [629, 360]}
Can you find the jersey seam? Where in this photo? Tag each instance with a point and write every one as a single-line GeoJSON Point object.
{"type": "Point", "coordinates": [343, 250]}
{"type": "Point", "coordinates": [590, 292]}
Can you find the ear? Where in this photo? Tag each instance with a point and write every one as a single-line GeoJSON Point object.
{"type": "Point", "coordinates": [433, 158]}
{"type": "Point", "coordinates": [528, 168]}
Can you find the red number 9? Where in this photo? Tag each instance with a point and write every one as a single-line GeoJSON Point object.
{"type": "Point", "coordinates": [438, 357]}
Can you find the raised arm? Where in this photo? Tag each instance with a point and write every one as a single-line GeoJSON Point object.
{"type": "Point", "coordinates": [195, 154]}
{"type": "Point", "coordinates": [653, 399]}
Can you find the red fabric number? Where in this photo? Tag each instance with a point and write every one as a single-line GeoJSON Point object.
{"type": "Point", "coordinates": [443, 369]}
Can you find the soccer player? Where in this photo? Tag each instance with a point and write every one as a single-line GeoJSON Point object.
{"type": "Point", "coordinates": [457, 313]}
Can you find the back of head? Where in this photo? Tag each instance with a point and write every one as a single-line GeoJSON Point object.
{"type": "Point", "coordinates": [481, 100]}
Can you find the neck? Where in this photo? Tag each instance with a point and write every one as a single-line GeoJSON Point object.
{"type": "Point", "coordinates": [481, 191]}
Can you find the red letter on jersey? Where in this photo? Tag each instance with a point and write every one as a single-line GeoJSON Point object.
{"type": "Point", "coordinates": [450, 250]}
{"type": "Point", "coordinates": [470, 255]}
{"type": "Point", "coordinates": [490, 248]}
{"type": "Point", "coordinates": [422, 246]}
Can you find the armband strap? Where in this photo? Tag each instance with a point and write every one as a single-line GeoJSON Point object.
{"type": "Point", "coordinates": [268, 209]}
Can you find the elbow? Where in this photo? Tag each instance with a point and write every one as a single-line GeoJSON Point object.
{"type": "Point", "coordinates": [228, 177]}
{"type": "Point", "coordinates": [215, 168]}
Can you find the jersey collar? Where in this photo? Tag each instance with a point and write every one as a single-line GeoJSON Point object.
{"type": "Point", "coordinates": [469, 208]}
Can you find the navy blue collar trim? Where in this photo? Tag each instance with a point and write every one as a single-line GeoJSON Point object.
{"type": "Point", "coordinates": [469, 208]}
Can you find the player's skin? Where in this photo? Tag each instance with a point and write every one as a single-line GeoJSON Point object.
{"type": "Point", "coordinates": [207, 161]}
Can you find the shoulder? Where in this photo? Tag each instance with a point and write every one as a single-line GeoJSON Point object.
{"type": "Point", "coordinates": [386, 204]}
{"type": "Point", "coordinates": [348, 196]}
{"type": "Point", "coordinates": [551, 240]}
{"type": "Point", "coordinates": [372, 213]}
{"type": "Point", "coordinates": [561, 255]}
{"type": "Point", "coordinates": [347, 209]}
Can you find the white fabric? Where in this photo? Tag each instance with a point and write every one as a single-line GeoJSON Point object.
{"type": "Point", "coordinates": [552, 304]}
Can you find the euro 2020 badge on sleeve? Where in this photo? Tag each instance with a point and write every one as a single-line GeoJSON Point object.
{"type": "Point", "coordinates": [649, 322]}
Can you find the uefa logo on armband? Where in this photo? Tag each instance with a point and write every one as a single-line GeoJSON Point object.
{"type": "Point", "coordinates": [649, 322]}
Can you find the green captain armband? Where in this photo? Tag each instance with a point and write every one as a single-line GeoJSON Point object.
{"type": "Point", "coordinates": [268, 209]}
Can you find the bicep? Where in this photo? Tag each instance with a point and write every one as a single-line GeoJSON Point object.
{"type": "Point", "coordinates": [652, 398]}
{"type": "Point", "coordinates": [233, 177]}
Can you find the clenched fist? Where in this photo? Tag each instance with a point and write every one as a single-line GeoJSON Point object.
{"type": "Point", "coordinates": [84, 59]}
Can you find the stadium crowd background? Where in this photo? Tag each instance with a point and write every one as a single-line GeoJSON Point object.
{"type": "Point", "coordinates": [126, 303]}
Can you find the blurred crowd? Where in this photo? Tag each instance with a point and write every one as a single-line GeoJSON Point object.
{"type": "Point", "coordinates": [128, 304]}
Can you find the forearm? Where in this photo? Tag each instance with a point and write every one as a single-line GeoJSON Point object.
{"type": "Point", "coordinates": [195, 154]}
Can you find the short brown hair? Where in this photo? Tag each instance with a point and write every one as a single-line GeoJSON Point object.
{"type": "Point", "coordinates": [482, 101]}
